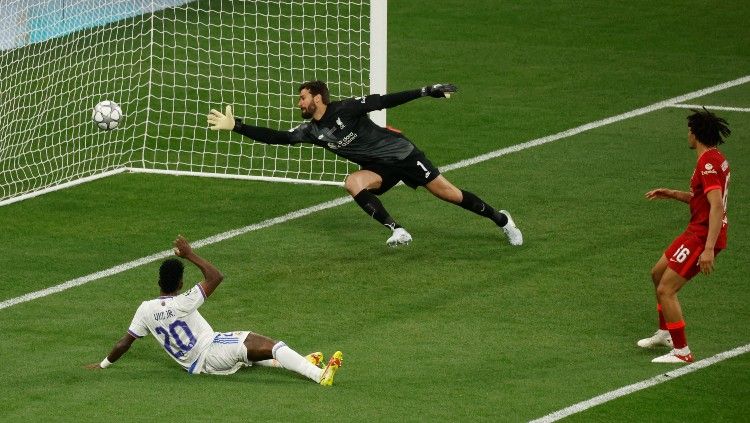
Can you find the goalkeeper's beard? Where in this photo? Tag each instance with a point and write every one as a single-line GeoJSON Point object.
{"type": "Point", "coordinates": [309, 111]}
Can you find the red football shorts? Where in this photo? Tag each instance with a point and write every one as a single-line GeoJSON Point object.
{"type": "Point", "coordinates": [684, 252]}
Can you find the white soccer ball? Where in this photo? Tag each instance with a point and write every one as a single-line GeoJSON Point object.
{"type": "Point", "coordinates": [107, 115]}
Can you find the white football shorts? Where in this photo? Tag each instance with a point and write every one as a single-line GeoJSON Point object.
{"type": "Point", "coordinates": [226, 354]}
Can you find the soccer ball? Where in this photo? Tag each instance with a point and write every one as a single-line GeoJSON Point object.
{"type": "Point", "coordinates": [107, 115]}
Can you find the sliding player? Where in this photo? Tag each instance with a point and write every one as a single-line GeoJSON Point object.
{"type": "Point", "coordinates": [695, 249]}
{"type": "Point", "coordinates": [173, 319]}
{"type": "Point", "coordinates": [385, 156]}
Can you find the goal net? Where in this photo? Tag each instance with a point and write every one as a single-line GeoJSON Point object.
{"type": "Point", "coordinates": [167, 63]}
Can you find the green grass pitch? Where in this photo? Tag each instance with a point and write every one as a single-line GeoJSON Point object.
{"type": "Point", "coordinates": [459, 326]}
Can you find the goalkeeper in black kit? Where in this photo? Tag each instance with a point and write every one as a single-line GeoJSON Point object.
{"type": "Point", "coordinates": [385, 156]}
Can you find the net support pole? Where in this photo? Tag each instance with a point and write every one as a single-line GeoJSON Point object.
{"type": "Point", "coordinates": [378, 54]}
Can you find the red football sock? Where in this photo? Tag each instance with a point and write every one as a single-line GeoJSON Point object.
{"type": "Point", "coordinates": [677, 330]}
{"type": "Point", "coordinates": [662, 321]}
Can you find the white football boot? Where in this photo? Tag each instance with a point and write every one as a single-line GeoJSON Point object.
{"type": "Point", "coordinates": [515, 237]}
{"type": "Point", "coordinates": [399, 237]}
{"type": "Point", "coordinates": [660, 338]}
{"type": "Point", "coordinates": [681, 356]}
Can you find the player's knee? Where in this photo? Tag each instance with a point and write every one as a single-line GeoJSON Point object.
{"type": "Point", "coordinates": [356, 182]}
{"type": "Point", "coordinates": [352, 185]}
{"type": "Point", "coordinates": [665, 290]}
{"type": "Point", "coordinates": [259, 347]}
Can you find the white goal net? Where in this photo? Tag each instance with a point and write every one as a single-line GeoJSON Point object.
{"type": "Point", "coordinates": [166, 63]}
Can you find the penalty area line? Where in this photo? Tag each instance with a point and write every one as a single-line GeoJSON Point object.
{"type": "Point", "coordinates": [342, 200]}
{"type": "Point", "coordinates": [626, 390]}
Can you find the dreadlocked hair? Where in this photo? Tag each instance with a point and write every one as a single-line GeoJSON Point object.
{"type": "Point", "coordinates": [708, 128]}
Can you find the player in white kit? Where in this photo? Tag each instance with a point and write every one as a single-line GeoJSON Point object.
{"type": "Point", "coordinates": [173, 319]}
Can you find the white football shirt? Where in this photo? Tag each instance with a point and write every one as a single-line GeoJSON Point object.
{"type": "Point", "coordinates": [178, 326]}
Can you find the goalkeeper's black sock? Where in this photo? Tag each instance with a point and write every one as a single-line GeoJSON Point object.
{"type": "Point", "coordinates": [371, 204]}
{"type": "Point", "coordinates": [475, 204]}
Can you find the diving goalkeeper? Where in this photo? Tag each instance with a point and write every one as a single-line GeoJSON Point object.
{"type": "Point", "coordinates": [384, 155]}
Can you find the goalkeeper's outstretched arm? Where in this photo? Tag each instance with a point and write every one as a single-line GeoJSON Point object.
{"type": "Point", "coordinates": [226, 121]}
{"type": "Point", "coordinates": [396, 99]}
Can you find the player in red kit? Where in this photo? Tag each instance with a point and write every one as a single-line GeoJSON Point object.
{"type": "Point", "coordinates": [695, 249]}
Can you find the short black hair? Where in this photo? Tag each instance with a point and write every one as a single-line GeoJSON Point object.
{"type": "Point", "coordinates": [708, 128]}
{"type": "Point", "coordinates": [170, 275]}
{"type": "Point", "coordinates": [315, 88]}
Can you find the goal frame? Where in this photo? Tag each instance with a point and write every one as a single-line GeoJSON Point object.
{"type": "Point", "coordinates": [378, 41]}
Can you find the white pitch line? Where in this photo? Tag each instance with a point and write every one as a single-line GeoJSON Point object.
{"type": "Point", "coordinates": [699, 106]}
{"type": "Point", "coordinates": [164, 254]}
{"type": "Point", "coordinates": [626, 390]}
{"type": "Point", "coordinates": [342, 200]}
{"type": "Point", "coordinates": [599, 123]}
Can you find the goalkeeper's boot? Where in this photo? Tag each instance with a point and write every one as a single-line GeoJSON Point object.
{"type": "Point", "coordinates": [315, 358]}
{"type": "Point", "coordinates": [399, 237]}
{"type": "Point", "coordinates": [515, 237]}
{"type": "Point", "coordinates": [681, 356]}
{"type": "Point", "coordinates": [333, 365]}
{"type": "Point", "coordinates": [660, 338]}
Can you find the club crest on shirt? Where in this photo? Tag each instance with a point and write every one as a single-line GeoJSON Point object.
{"type": "Point", "coordinates": [340, 123]}
{"type": "Point", "coordinates": [709, 169]}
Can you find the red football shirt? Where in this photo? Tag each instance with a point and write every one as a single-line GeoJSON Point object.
{"type": "Point", "coordinates": [711, 172]}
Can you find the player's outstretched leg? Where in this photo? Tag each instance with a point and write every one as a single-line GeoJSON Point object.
{"type": "Point", "coordinates": [262, 348]}
{"type": "Point", "coordinates": [502, 218]}
{"type": "Point", "coordinates": [316, 358]}
{"type": "Point", "coordinates": [446, 191]}
{"type": "Point", "coordinates": [291, 360]}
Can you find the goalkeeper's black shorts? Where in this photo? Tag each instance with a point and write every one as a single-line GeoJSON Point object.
{"type": "Point", "coordinates": [415, 170]}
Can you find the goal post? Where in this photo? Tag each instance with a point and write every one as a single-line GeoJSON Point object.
{"type": "Point", "coordinates": [167, 63]}
{"type": "Point", "coordinates": [378, 54]}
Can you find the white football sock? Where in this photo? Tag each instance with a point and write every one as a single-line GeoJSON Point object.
{"type": "Point", "coordinates": [291, 360]}
{"type": "Point", "coordinates": [272, 362]}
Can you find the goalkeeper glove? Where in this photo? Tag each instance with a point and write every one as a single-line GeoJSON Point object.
{"type": "Point", "coordinates": [439, 90]}
{"type": "Point", "coordinates": [219, 121]}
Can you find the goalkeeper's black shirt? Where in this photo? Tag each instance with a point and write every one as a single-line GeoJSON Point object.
{"type": "Point", "coordinates": [346, 130]}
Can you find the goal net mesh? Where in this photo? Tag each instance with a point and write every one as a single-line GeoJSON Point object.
{"type": "Point", "coordinates": [167, 63]}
